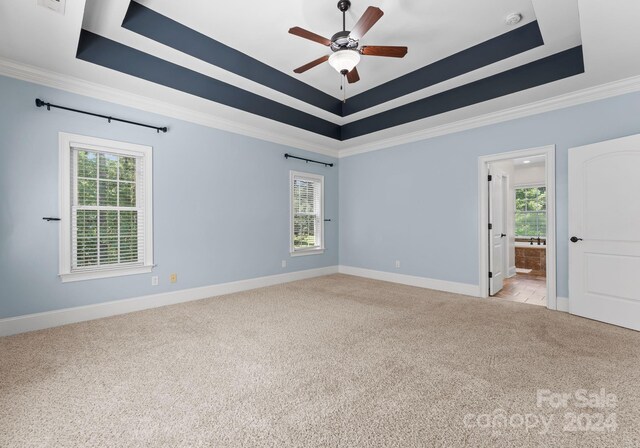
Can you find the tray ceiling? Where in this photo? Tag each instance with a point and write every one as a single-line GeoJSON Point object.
{"type": "Point", "coordinates": [463, 60]}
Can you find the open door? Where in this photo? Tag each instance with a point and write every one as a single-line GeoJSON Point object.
{"type": "Point", "coordinates": [604, 230]}
{"type": "Point", "coordinates": [497, 231]}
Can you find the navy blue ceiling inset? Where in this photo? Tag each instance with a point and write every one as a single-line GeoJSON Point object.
{"type": "Point", "coordinates": [488, 52]}
{"type": "Point", "coordinates": [155, 26]}
{"type": "Point", "coordinates": [552, 68]}
{"type": "Point", "coordinates": [111, 54]}
{"type": "Point", "coordinates": [162, 29]}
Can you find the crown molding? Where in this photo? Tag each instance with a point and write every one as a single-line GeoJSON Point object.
{"type": "Point", "coordinates": [55, 80]}
{"type": "Point", "coordinates": [29, 73]}
{"type": "Point", "coordinates": [600, 92]}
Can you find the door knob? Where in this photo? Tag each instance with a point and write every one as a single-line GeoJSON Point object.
{"type": "Point", "coordinates": [575, 239]}
{"type": "Point", "coordinates": [502, 235]}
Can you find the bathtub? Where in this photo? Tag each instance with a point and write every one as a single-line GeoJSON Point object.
{"type": "Point", "coordinates": [528, 244]}
{"type": "Point", "coordinates": [531, 257]}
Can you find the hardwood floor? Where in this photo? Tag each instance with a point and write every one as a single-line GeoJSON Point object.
{"type": "Point", "coordinates": [525, 288]}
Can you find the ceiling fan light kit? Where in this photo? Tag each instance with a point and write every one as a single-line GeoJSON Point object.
{"type": "Point", "coordinates": [344, 60]}
{"type": "Point", "coordinates": [344, 44]}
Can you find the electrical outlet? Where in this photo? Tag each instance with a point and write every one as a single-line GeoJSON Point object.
{"type": "Point", "coordinates": [154, 280]}
{"type": "Point", "coordinates": [398, 264]}
{"type": "Point", "coordinates": [284, 263]}
{"type": "Point", "coordinates": [173, 278]}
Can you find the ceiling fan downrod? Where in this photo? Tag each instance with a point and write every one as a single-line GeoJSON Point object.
{"type": "Point", "coordinates": [343, 6]}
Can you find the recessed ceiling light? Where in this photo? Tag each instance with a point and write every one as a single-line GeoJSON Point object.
{"type": "Point", "coordinates": [513, 19]}
{"type": "Point", "coordinates": [526, 161]}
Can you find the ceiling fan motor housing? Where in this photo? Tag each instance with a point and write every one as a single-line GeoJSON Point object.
{"type": "Point", "coordinates": [342, 41]}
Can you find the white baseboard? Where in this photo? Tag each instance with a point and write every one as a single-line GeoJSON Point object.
{"type": "Point", "coordinates": [562, 304]}
{"type": "Point", "coordinates": [511, 272]}
{"type": "Point", "coordinates": [48, 319]}
{"type": "Point", "coordinates": [411, 280]}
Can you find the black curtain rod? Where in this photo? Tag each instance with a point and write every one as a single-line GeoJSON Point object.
{"type": "Point", "coordinates": [40, 103]}
{"type": "Point", "coordinates": [286, 156]}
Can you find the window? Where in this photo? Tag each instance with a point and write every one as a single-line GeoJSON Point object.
{"type": "Point", "coordinates": [106, 219]}
{"type": "Point", "coordinates": [531, 212]}
{"type": "Point", "coordinates": [307, 222]}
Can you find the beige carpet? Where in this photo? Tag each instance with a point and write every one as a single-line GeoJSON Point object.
{"type": "Point", "coordinates": [336, 361]}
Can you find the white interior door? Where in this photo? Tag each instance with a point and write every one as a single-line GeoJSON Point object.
{"type": "Point", "coordinates": [604, 226]}
{"type": "Point", "coordinates": [497, 232]}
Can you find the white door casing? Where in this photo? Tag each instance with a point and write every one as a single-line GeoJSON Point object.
{"type": "Point", "coordinates": [483, 215]}
{"type": "Point", "coordinates": [604, 218]}
{"type": "Point", "coordinates": [497, 233]}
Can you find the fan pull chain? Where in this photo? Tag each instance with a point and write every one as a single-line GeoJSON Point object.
{"type": "Point", "coordinates": [343, 87]}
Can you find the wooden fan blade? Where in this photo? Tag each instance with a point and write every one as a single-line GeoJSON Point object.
{"type": "Point", "coordinates": [390, 52]}
{"type": "Point", "coordinates": [301, 32]}
{"type": "Point", "coordinates": [353, 76]}
{"type": "Point", "coordinates": [368, 19]}
{"type": "Point", "coordinates": [311, 64]}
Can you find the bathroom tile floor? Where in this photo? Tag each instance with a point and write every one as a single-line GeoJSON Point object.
{"type": "Point", "coordinates": [525, 288]}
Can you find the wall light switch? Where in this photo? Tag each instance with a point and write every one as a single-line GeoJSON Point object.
{"type": "Point", "coordinates": [173, 278]}
{"type": "Point", "coordinates": [397, 263]}
{"type": "Point", "coordinates": [154, 280]}
{"type": "Point", "coordinates": [284, 263]}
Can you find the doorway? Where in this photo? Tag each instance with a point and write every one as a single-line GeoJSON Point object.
{"type": "Point", "coordinates": [517, 226]}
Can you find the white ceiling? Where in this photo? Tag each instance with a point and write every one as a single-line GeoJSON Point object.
{"type": "Point", "coordinates": [47, 41]}
{"type": "Point", "coordinates": [432, 29]}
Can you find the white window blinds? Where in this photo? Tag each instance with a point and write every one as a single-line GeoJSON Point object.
{"type": "Point", "coordinates": [307, 216]}
{"type": "Point", "coordinates": [107, 210]}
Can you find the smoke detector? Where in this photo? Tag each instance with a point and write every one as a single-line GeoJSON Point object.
{"type": "Point", "coordinates": [54, 5]}
{"type": "Point", "coordinates": [513, 19]}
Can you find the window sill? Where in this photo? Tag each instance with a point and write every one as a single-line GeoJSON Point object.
{"type": "Point", "coordinates": [299, 253]}
{"type": "Point", "coordinates": [93, 275]}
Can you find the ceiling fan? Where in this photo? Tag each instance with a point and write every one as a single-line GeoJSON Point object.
{"type": "Point", "coordinates": [346, 44]}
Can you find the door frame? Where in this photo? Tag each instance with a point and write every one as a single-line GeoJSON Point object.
{"type": "Point", "coordinates": [483, 216]}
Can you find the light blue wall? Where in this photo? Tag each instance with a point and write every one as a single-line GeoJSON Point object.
{"type": "Point", "coordinates": [225, 198]}
{"type": "Point", "coordinates": [418, 203]}
{"type": "Point", "coordinates": [221, 203]}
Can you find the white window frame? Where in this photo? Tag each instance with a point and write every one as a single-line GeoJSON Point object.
{"type": "Point", "coordinates": [66, 143]}
{"type": "Point", "coordinates": [525, 186]}
{"type": "Point", "coordinates": [316, 178]}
